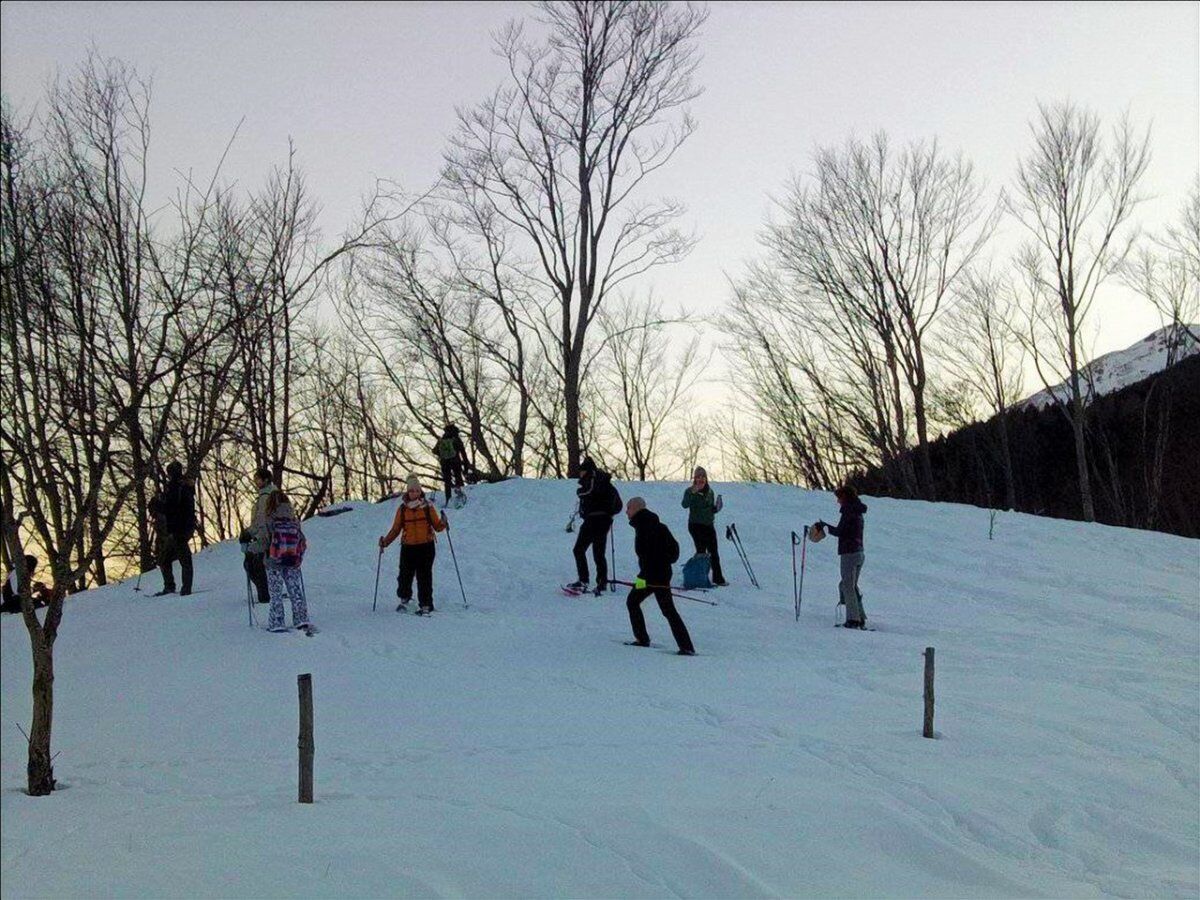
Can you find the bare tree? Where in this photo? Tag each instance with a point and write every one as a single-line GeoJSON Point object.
{"type": "Point", "coordinates": [1167, 273]}
{"type": "Point", "coordinates": [646, 385]}
{"type": "Point", "coordinates": [1075, 192]}
{"type": "Point", "coordinates": [561, 154]}
{"type": "Point", "coordinates": [978, 347]}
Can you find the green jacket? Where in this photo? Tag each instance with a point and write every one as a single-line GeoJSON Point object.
{"type": "Point", "coordinates": [261, 536]}
{"type": "Point", "coordinates": [701, 507]}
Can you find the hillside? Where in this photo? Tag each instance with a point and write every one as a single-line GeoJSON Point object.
{"type": "Point", "coordinates": [1121, 368]}
{"type": "Point", "coordinates": [516, 748]}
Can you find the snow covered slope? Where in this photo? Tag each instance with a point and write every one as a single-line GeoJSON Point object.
{"type": "Point", "coordinates": [1121, 368]}
{"type": "Point", "coordinates": [517, 749]}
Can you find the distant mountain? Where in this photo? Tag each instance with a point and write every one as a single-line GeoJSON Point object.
{"type": "Point", "coordinates": [1121, 368]}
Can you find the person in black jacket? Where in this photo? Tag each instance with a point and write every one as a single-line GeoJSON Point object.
{"type": "Point", "coordinates": [452, 457]}
{"type": "Point", "coordinates": [598, 503]}
{"type": "Point", "coordinates": [174, 512]}
{"type": "Point", "coordinates": [849, 532]}
{"type": "Point", "coordinates": [12, 593]}
{"type": "Point", "coordinates": [656, 550]}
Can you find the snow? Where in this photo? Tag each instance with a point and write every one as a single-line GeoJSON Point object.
{"type": "Point", "coordinates": [517, 749]}
{"type": "Point", "coordinates": [1121, 368]}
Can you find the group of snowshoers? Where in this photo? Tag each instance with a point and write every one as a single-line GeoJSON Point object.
{"type": "Point", "coordinates": [273, 545]}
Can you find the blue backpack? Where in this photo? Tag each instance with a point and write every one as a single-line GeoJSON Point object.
{"type": "Point", "coordinates": [695, 572]}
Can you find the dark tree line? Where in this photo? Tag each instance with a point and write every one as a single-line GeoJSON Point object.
{"type": "Point", "coordinates": [1144, 440]}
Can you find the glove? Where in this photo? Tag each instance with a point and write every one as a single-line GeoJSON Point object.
{"type": "Point", "coordinates": [639, 583]}
{"type": "Point", "coordinates": [720, 503]}
{"type": "Point", "coordinates": [381, 542]}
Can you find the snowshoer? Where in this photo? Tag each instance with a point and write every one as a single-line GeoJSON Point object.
{"type": "Point", "coordinates": [174, 511]}
{"type": "Point", "coordinates": [416, 523]}
{"type": "Point", "coordinates": [599, 501]}
{"type": "Point", "coordinates": [253, 561]}
{"type": "Point", "coordinates": [285, 543]}
{"type": "Point", "coordinates": [12, 592]}
{"type": "Point", "coordinates": [703, 505]}
{"type": "Point", "coordinates": [849, 532]}
{"type": "Point", "coordinates": [657, 550]}
{"type": "Point", "coordinates": [452, 456]}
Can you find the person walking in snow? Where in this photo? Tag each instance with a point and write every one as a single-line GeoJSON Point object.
{"type": "Point", "coordinates": [12, 590]}
{"type": "Point", "coordinates": [416, 524]}
{"type": "Point", "coordinates": [599, 501]}
{"type": "Point", "coordinates": [254, 559]}
{"type": "Point", "coordinates": [452, 457]}
{"type": "Point", "coordinates": [657, 550]}
{"type": "Point", "coordinates": [851, 554]}
{"type": "Point", "coordinates": [174, 509]}
{"type": "Point", "coordinates": [282, 536]}
{"type": "Point", "coordinates": [703, 505]}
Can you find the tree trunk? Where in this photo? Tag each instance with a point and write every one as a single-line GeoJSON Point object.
{"type": "Point", "coordinates": [1081, 467]}
{"type": "Point", "coordinates": [1010, 485]}
{"type": "Point", "coordinates": [40, 768]}
{"type": "Point", "coordinates": [571, 404]}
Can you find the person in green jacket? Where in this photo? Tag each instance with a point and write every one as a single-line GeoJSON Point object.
{"type": "Point", "coordinates": [702, 506]}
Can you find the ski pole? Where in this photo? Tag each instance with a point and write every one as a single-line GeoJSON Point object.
{"type": "Point", "coordinates": [249, 603]}
{"type": "Point", "coordinates": [612, 546]}
{"type": "Point", "coordinates": [803, 559]}
{"type": "Point", "coordinates": [571, 523]}
{"type": "Point", "coordinates": [673, 592]}
{"type": "Point", "coordinates": [795, 589]}
{"type": "Point", "coordinates": [745, 555]}
{"type": "Point", "coordinates": [378, 566]}
{"type": "Point", "coordinates": [454, 557]}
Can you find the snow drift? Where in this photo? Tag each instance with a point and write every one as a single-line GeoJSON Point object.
{"type": "Point", "coordinates": [516, 748]}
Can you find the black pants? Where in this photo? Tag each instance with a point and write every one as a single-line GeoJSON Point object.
{"type": "Point", "coordinates": [705, 539]}
{"type": "Point", "coordinates": [593, 533]}
{"type": "Point", "coordinates": [175, 547]}
{"type": "Point", "coordinates": [667, 604]}
{"type": "Point", "coordinates": [256, 568]}
{"type": "Point", "coordinates": [452, 475]}
{"type": "Point", "coordinates": [416, 561]}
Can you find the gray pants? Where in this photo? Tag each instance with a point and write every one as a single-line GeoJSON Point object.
{"type": "Point", "coordinates": [852, 564]}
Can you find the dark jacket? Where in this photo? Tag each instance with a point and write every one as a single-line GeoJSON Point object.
{"type": "Point", "coordinates": [597, 496]}
{"type": "Point", "coordinates": [450, 447]}
{"type": "Point", "coordinates": [176, 507]}
{"type": "Point", "coordinates": [849, 529]}
{"type": "Point", "coordinates": [701, 507]}
{"type": "Point", "coordinates": [655, 546]}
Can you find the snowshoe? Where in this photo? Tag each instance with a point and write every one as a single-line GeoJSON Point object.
{"type": "Point", "coordinates": [637, 643]}
{"type": "Point", "coordinates": [402, 606]}
{"type": "Point", "coordinates": [425, 611]}
{"type": "Point", "coordinates": [685, 652]}
{"type": "Point", "coordinates": [164, 592]}
{"type": "Point", "coordinates": [575, 588]}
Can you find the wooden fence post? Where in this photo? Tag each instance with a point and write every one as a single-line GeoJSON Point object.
{"type": "Point", "coordinates": [928, 730]}
{"type": "Point", "coordinates": [304, 682]}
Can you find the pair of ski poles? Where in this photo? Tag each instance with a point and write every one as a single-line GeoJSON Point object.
{"type": "Point", "coordinates": [798, 586]}
{"type": "Point", "coordinates": [674, 593]}
{"type": "Point", "coordinates": [453, 556]}
{"type": "Point", "coordinates": [731, 534]}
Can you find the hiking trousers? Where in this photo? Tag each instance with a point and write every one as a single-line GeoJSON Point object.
{"type": "Point", "coordinates": [852, 564]}
{"type": "Point", "coordinates": [705, 539]}
{"type": "Point", "coordinates": [665, 603]}
{"type": "Point", "coordinates": [593, 533]}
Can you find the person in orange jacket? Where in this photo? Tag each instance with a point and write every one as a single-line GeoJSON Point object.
{"type": "Point", "coordinates": [416, 523]}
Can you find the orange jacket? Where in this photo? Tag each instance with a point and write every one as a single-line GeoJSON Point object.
{"type": "Point", "coordinates": [417, 525]}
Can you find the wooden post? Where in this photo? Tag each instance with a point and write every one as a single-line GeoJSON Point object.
{"type": "Point", "coordinates": [928, 731]}
{"type": "Point", "coordinates": [305, 743]}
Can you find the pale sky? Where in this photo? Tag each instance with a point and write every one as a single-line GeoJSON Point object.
{"type": "Point", "coordinates": [368, 90]}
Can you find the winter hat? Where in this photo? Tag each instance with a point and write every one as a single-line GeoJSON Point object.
{"type": "Point", "coordinates": [700, 472]}
{"type": "Point", "coordinates": [588, 465]}
{"type": "Point", "coordinates": [413, 483]}
{"type": "Point", "coordinates": [175, 469]}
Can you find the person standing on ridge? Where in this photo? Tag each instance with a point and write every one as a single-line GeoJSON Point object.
{"type": "Point", "coordinates": [174, 510]}
{"type": "Point", "coordinates": [254, 562]}
{"type": "Point", "coordinates": [452, 457]}
{"type": "Point", "coordinates": [416, 523]}
{"type": "Point", "coordinates": [656, 550]}
{"type": "Point", "coordinates": [599, 501]}
{"type": "Point", "coordinates": [702, 506]}
{"type": "Point", "coordinates": [849, 532]}
{"type": "Point", "coordinates": [285, 543]}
